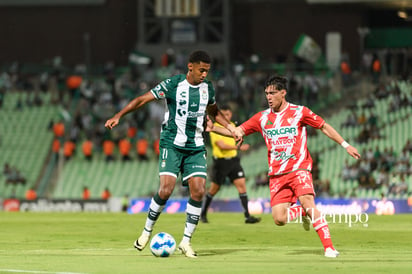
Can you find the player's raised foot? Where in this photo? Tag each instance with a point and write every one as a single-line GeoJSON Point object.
{"type": "Point", "coordinates": [187, 250]}
{"type": "Point", "coordinates": [252, 220]}
{"type": "Point", "coordinates": [141, 243]}
{"type": "Point", "coordinates": [204, 219]}
{"type": "Point", "coordinates": [306, 223]}
{"type": "Point", "coordinates": [330, 252]}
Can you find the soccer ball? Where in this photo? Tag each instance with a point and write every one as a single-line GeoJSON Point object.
{"type": "Point", "coordinates": [162, 244]}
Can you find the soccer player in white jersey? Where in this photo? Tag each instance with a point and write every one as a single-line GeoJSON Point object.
{"type": "Point", "coordinates": [182, 150]}
{"type": "Point", "coordinates": [283, 126]}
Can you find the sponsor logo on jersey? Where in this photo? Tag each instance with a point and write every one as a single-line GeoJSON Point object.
{"type": "Point", "coordinates": [194, 114]}
{"type": "Point", "coordinates": [283, 131]}
{"type": "Point", "coordinates": [269, 123]}
{"type": "Point", "coordinates": [283, 156]}
{"type": "Point", "coordinates": [284, 142]}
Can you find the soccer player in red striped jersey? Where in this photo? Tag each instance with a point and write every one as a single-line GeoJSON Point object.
{"type": "Point", "coordinates": [283, 126]}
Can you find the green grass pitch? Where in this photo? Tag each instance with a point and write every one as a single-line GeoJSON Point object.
{"type": "Point", "coordinates": [103, 243]}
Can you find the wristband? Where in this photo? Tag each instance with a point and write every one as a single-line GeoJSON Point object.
{"type": "Point", "coordinates": [344, 144]}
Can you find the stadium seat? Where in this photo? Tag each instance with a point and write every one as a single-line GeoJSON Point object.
{"type": "Point", "coordinates": [27, 140]}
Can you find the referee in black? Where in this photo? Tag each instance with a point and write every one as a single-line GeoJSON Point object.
{"type": "Point", "coordinates": [226, 163]}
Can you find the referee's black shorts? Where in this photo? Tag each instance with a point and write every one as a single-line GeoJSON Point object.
{"type": "Point", "coordinates": [226, 167]}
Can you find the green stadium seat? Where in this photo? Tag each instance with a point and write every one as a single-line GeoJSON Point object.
{"type": "Point", "coordinates": [27, 141]}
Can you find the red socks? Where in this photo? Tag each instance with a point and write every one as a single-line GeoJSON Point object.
{"type": "Point", "coordinates": [322, 228]}
{"type": "Point", "coordinates": [320, 225]}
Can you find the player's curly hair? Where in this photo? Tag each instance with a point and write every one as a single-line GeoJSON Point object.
{"type": "Point", "coordinates": [280, 82]}
{"type": "Point", "coordinates": [200, 56]}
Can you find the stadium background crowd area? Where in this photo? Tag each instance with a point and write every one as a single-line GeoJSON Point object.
{"type": "Point", "coordinates": [57, 87]}
{"type": "Point", "coordinates": [56, 140]}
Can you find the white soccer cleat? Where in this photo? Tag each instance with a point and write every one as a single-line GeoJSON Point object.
{"type": "Point", "coordinates": [187, 250]}
{"type": "Point", "coordinates": [141, 243]}
{"type": "Point", "coordinates": [330, 252]}
{"type": "Point", "coordinates": [306, 223]}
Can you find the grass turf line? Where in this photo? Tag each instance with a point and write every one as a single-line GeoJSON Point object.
{"type": "Point", "coordinates": [102, 243]}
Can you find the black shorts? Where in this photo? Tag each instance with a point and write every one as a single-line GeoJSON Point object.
{"type": "Point", "coordinates": [223, 168]}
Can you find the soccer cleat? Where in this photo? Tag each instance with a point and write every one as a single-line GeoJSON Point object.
{"type": "Point", "coordinates": [306, 223]}
{"type": "Point", "coordinates": [252, 220]}
{"type": "Point", "coordinates": [187, 250]}
{"type": "Point", "coordinates": [330, 252]}
{"type": "Point", "coordinates": [204, 219]}
{"type": "Point", "coordinates": [141, 243]}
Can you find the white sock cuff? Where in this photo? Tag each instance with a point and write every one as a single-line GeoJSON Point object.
{"type": "Point", "coordinates": [193, 210]}
{"type": "Point", "coordinates": [155, 206]}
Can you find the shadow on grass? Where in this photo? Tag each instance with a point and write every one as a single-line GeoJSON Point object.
{"type": "Point", "coordinates": [306, 252]}
{"type": "Point", "coordinates": [223, 251]}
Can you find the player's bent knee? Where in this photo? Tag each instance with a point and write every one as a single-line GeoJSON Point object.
{"type": "Point", "coordinates": [279, 222]}
{"type": "Point", "coordinates": [164, 193]}
{"type": "Point", "coordinates": [197, 194]}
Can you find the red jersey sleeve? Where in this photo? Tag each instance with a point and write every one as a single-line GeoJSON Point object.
{"type": "Point", "coordinates": [252, 125]}
{"type": "Point", "coordinates": [312, 119]}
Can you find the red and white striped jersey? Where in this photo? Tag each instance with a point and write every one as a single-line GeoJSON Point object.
{"type": "Point", "coordinates": [285, 136]}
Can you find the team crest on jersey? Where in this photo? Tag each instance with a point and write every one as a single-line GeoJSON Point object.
{"type": "Point", "coordinates": [204, 94]}
{"type": "Point", "coordinates": [290, 120]}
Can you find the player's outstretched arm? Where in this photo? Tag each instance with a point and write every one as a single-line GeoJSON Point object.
{"type": "Point", "coordinates": [219, 130]}
{"type": "Point", "coordinates": [329, 131]}
{"type": "Point", "coordinates": [214, 113]}
{"type": "Point", "coordinates": [131, 106]}
{"type": "Point", "coordinates": [210, 127]}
